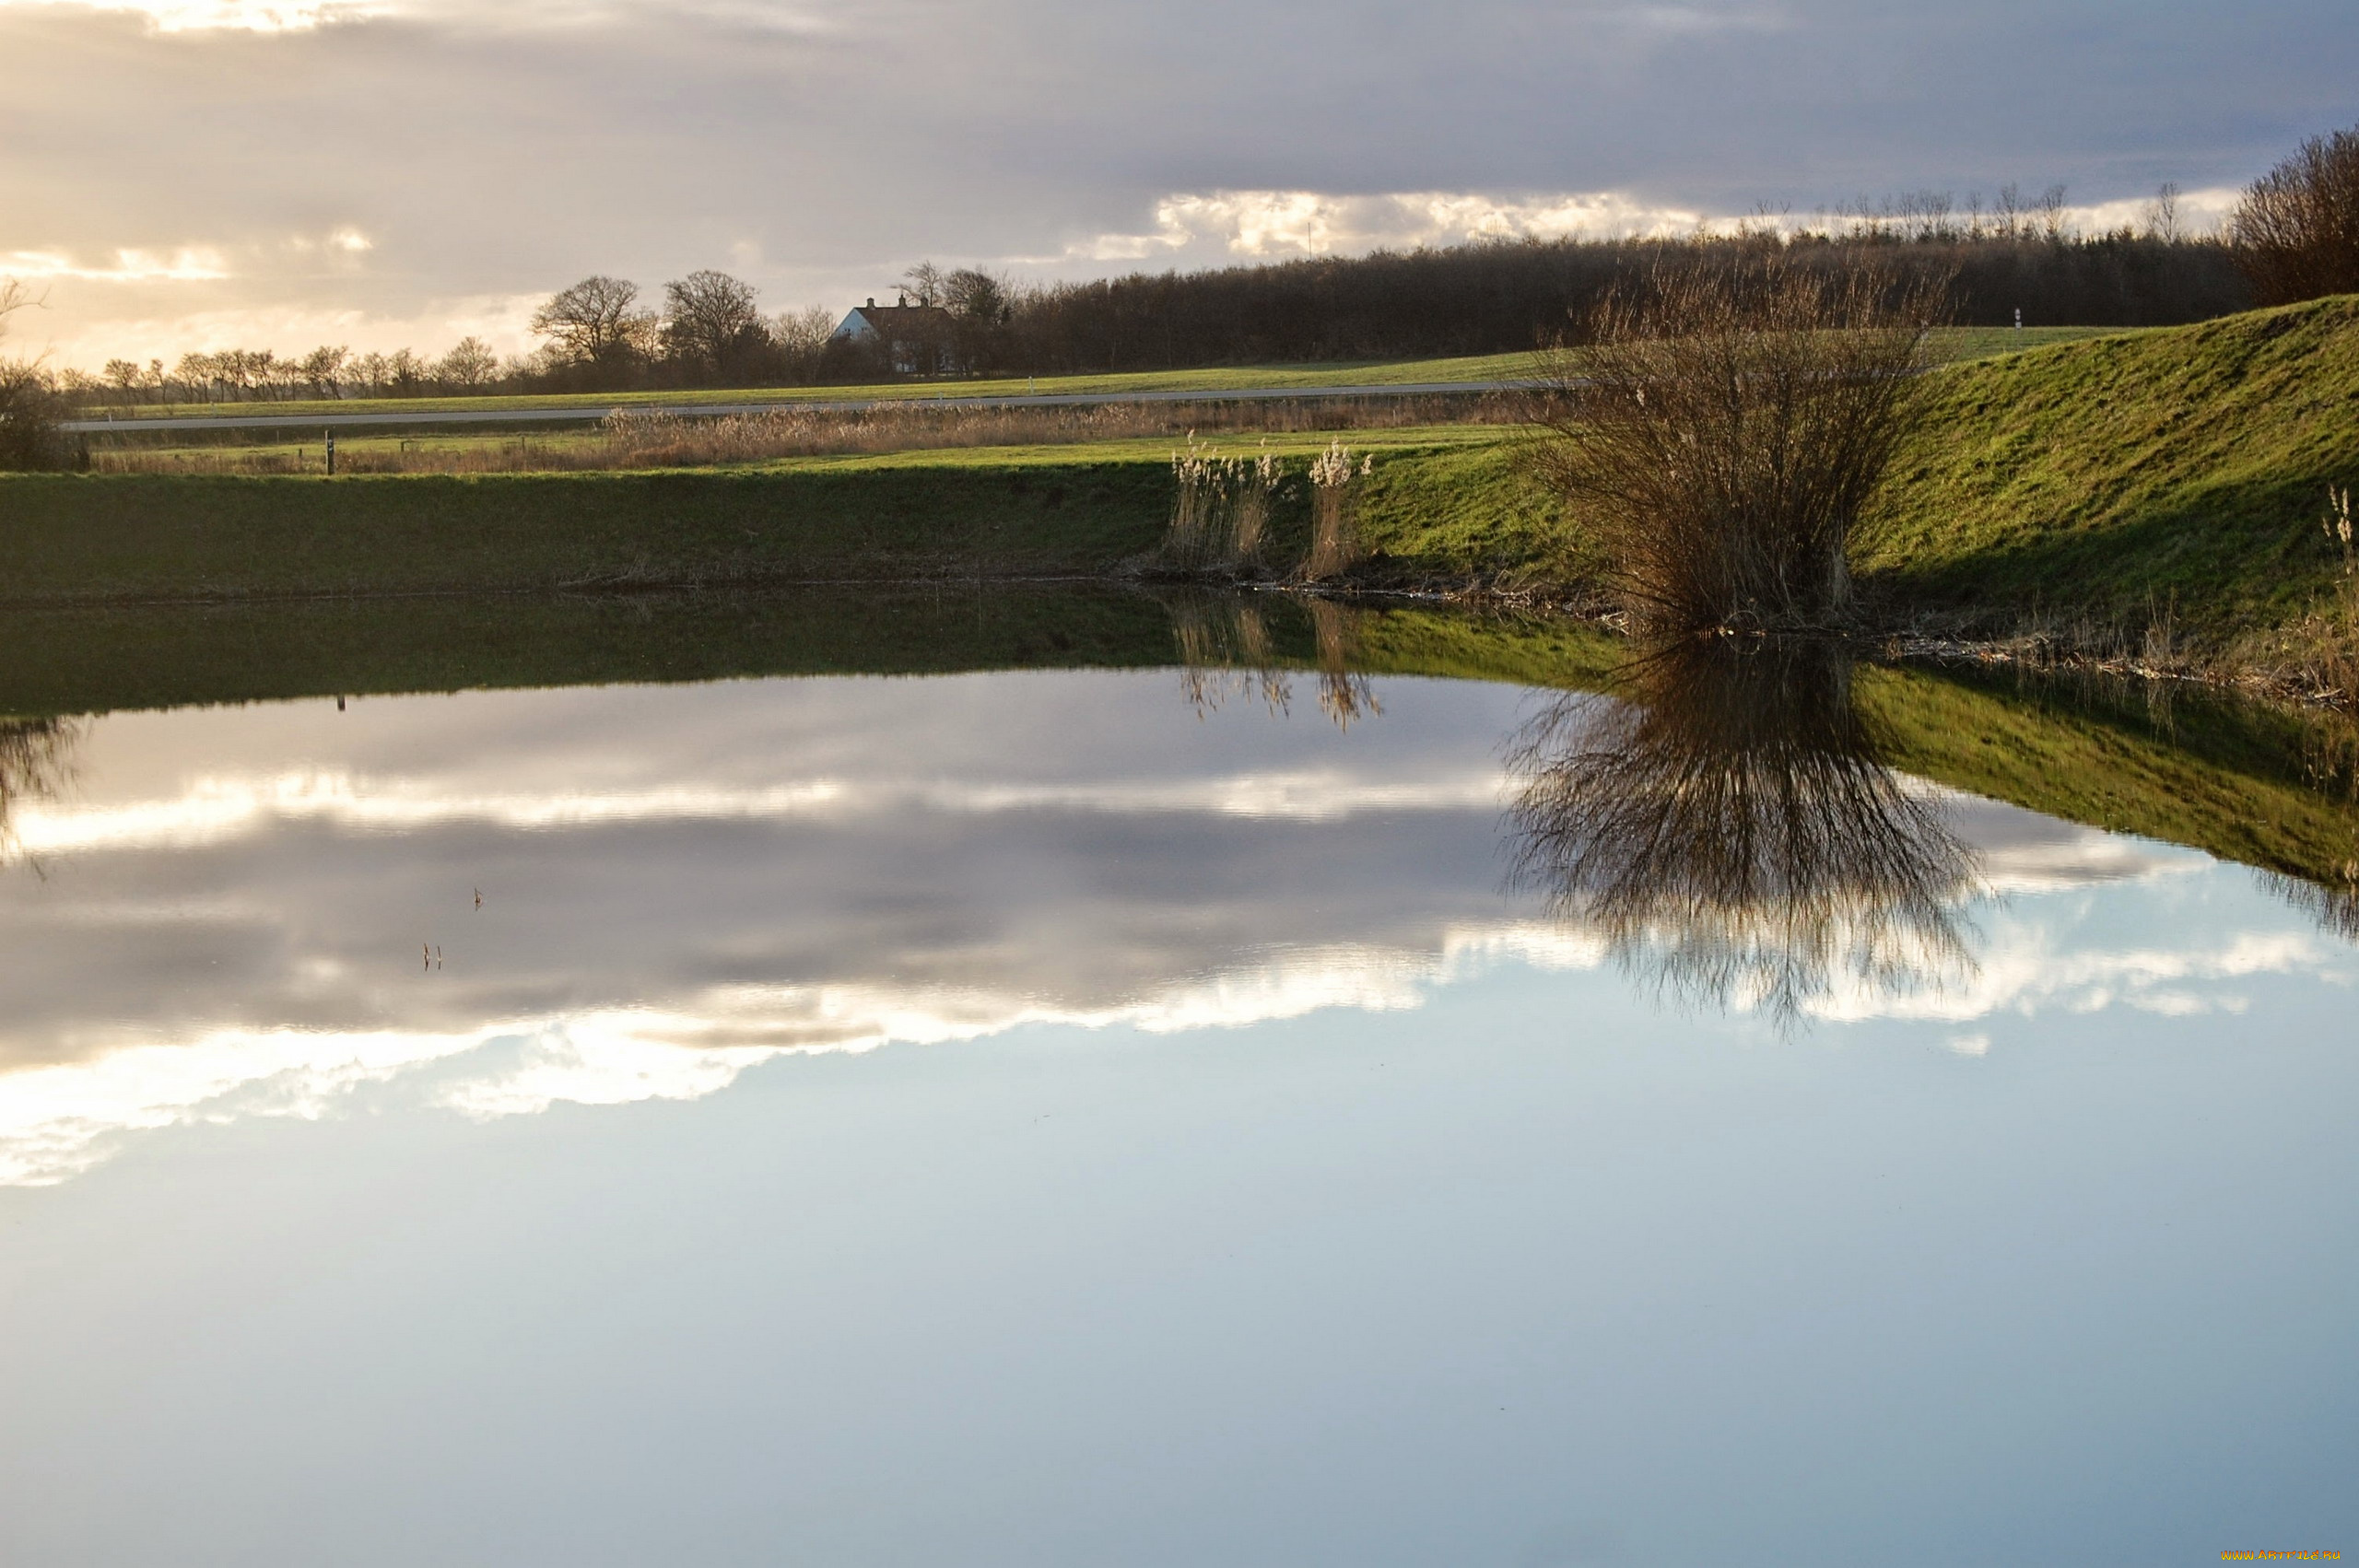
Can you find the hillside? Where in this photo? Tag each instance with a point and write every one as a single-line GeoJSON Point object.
{"type": "Point", "coordinates": [2183, 469]}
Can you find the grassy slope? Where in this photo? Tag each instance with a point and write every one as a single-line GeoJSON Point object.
{"type": "Point", "coordinates": [1964, 343]}
{"type": "Point", "coordinates": [1443, 502]}
{"type": "Point", "coordinates": [127, 538]}
{"type": "Point", "coordinates": [2184, 467]}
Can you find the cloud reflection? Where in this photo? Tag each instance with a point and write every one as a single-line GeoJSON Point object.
{"type": "Point", "coordinates": [681, 883]}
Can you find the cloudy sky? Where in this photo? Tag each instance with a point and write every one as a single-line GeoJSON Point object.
{"type": "Point", "coordinates": [195, 173]}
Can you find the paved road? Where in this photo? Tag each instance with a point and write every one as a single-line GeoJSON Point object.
{"type": "Point", "coordinates": [711, 410]}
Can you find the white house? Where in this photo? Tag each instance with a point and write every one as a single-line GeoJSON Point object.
{"type": "Point", "coordinates": [921, 340]}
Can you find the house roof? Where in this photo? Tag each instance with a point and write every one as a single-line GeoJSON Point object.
{"type": "Point", "coordinates": [896, 321]}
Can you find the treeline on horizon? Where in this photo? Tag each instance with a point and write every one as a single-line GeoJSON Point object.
{"type": "Point", "coordinates": [1484, 297]}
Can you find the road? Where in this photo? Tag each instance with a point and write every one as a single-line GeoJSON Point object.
{"type": "Point", "coordinates": [717, 410]}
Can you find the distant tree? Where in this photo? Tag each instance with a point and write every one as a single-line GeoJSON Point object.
{"type": "Point", "coordinates": [471, 364]}
{"type": "Point", "coordinates": [124, 376]}
{"type": "Point", "coordinates": [2297, 232]}
{"type": "Point", "coordinates": [711, 325]}
{"type": "Point", "coordinates": [592, 325]}
{"type": "Point", "coordinates": [923, 285]}
{"type": "Point", "coordinates": [801, 338]}
{"type": "Point", "coordinates": [322, 370]}
{"type": "Point", "coordinates": [405, 373]}
{"type": "Point", "coordinates": [974, 296]}
{"type": "Point", "coordinates": [980, 305]}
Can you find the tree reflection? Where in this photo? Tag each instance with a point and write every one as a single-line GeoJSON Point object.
{"type": "Point", "coordinates": [36, 761]}
{"type": "Point", "coordinates": [1728, 830]}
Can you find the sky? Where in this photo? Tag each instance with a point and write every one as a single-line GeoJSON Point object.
{"type": "Point", "coordinates": [189, 174]}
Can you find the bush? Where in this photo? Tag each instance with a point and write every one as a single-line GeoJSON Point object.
{"type": "Point", "coordinates": [2297, 232]}
{"type": "Point", "coordinates": [1722, 428]}
{"type": "Point", "coordinates": [30, 410]}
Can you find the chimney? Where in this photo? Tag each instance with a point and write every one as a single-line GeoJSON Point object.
{"type": "Point", "coordinates": [872, 301]}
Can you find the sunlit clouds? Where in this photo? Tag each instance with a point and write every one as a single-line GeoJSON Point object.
{"type": "Point", "coordinates": [193, 174]}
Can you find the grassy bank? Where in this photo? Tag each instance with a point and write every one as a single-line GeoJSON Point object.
{"type": "Point", "coordinates": [132, 538]}
{"type": "Point", "coordinates": [2178, 473]}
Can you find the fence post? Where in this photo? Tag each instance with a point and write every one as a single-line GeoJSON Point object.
{"type": "Point", "coordinates": [330, 436]}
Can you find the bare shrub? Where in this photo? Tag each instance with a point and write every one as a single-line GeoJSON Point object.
{"type": "Point", "coordinates": [29, 408]}
{"type": "Point", "coordinates": [1729, 830]}
{"type": "Point", "coordinates": [1724, 426]}
{"type": "Point", "coordinates": [2296, 232]}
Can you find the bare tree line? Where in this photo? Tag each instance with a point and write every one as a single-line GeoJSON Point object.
{"type": "Point", "coordinates": [2013, 259]}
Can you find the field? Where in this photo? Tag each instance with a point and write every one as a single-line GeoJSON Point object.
{"type": "Point", "coordinates": [1958, 343]}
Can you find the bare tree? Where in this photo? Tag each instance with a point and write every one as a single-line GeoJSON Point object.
{"type": "Point", "coordinates": [322, 370]}
{"type": "Point", "coordinates": [2297, 232]}
{"type": "Point", "coordinates": [801, 337]}
{"type": "Point", "coordinates": [923, 285]}
{"type": "Point", "coordinates": [470, 364]}
{"type": "Point", "coordinates": [593, 323]}
{"type": "Point", "coordinates": [711, 322]}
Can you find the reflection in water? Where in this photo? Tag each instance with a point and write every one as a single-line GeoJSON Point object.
{"type": "Point", "coordinates": [1225, 649]}
{"type": "Point", "coordinates": [36, 763]}
{"type": "Point", "coordinates": [1730, 830]}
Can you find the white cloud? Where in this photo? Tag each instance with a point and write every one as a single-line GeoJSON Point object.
{"type": "Point", "coordinates": [189, 263]}
{"type": "Point", "coordinates": [240, 15]}
{"type": "Point", "coordinates": [1280, 224]}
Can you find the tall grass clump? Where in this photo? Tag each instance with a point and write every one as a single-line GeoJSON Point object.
{"type": "Point", "coordinates": [1723, 425]}
{"type": "Point", "coordinates": [1220, 508]}
{"type": "Point", "coordinates": [1334, 512]}
{"type": "Point", "coordinates": [2334, 642]}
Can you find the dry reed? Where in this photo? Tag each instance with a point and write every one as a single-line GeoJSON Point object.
{"type": "Point", "coordinates": [1335, 512]}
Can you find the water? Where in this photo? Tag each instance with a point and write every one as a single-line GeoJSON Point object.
{"type": "Point", "coordinates": [1130, 1115]}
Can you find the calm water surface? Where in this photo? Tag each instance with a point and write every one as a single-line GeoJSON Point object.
{"type": "Point", "coordinates": [1097, 1117]}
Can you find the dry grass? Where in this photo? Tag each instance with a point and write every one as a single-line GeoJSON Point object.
{"type": "Point", "coordinates": [1220, 508]}
{"type": "Point", "coordinates": [632, 441]}
{"type": "Point", "coordinates": [1335, 544]}
{"type": "Point", "coordinates": [1722, 430]}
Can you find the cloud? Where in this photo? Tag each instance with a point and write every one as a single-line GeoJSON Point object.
{"type": "Point", "coordinates": [242, 16]}
{"type": "Point", "coordinates": [501, 151]}
{"type": "Point", "coordinates": [1277, 225]}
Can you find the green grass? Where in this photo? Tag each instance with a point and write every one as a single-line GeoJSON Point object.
{"type": "Point", "coordinates": [130, 538]}
{"type": "Point", "coordinates": [1962, 343]}
{"type": "Point", "coordinates": [1443, 501]}
{"type": "Point", "coordinates": [2183, 468]}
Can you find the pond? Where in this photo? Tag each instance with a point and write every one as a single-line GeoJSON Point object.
{"type": "Point", "coordinates": [1278, 1098]}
